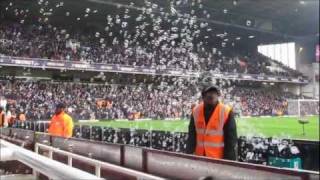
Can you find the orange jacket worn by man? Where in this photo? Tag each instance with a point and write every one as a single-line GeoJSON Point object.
{"type": "Point", "coordinates": [212, 129]}
{"type": "Point", "coordinates": [2, 117]}
{"type": "Point", "coordinates": [61, 123]}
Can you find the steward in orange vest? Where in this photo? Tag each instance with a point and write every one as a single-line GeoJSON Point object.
{"type": "Point", "coordinates": [212, 129]}
{"type": "Point", "coordinates": [61, 123]}
{"type": "Point", "coordinates": [2, 117]}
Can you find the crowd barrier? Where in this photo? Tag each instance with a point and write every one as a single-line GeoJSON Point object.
{"type": "Point", "coordinates": [40, 164]}
{"type": "Point", "coordinates": [158, 163]}
{"type": "Point", "coordinates": [161, 140]}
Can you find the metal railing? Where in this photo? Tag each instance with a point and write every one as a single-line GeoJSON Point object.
{"type": "Point", "coordinates": [41, 126]}
{"type": "Point", "coordinates": [97, 164]}
{"type": "Point", "coordinates": [48, 167]}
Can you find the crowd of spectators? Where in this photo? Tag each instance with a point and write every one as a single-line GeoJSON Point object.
{"type": "Point", "coordinates": [93, 101]}
{"type": "Point", "coordinates": [262, 102]}
{"type": "Point", "coordinates": [37, 100]}
{"type": "Point", "coordinates": [52, 43]}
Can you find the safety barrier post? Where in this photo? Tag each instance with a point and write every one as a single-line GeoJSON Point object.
{"type": "Point", "coordinates": [50, 153]}
{"type": "Point", "coordinates": [34, 172]}
{"type": "Point", "coordinates": [173, 141]}
{"type": "Point", "coordinates": [70, 161]}
{"type": "Point", "coordinates": [98, 170]}
{"type": "Point", "coordinates": [150, 138]}
{"type": "Point", "coordinates": [90, 132]}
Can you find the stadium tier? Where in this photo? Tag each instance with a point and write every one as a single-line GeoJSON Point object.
{"type": "Point", "coordinates": [93, 101]}
{"type": "Point", "coordinates": [50, 43]}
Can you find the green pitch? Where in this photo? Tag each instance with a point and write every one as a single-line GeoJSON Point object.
{"type": "Point", "coordinates": [281, 127]}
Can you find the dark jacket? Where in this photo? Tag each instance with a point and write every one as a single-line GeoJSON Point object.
{"type": "Point", "coordinates": [229, 131]}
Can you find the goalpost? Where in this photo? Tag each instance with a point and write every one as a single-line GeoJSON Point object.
{"type": "Point", "coordinates": [303, 107]}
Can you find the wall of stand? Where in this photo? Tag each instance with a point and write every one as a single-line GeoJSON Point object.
{"type": "Point", "coordinates": [159, 163]}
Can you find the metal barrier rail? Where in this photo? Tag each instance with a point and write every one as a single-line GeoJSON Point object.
{"type": "Point", "coordinates": [167, 164]}
{"type": "Point", "coordinates": [309, 149]}
{"type": "Point", "coordinates": [41, 126]}
{"type": "Point", "coordinates": [52, 169]}
{"type": "Point", "coordinates": [97, 164]}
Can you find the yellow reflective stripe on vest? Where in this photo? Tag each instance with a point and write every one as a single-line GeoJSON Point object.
{"type": "Point", "coordinates": [214, 132]}
{"type": "Point", "coordinates": [210, 144]}
{"type": "Point", "coordinates": [201, 131]}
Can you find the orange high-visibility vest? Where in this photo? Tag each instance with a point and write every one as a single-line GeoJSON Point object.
{"type": "Point", "coordinates": [210, 140]}
{"type": "Point", "coordinates": [1, 119]}
{"type": "Point", "coordinates": [61, 125]}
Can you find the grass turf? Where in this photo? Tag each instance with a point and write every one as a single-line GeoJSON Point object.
{"type": "Point", "coordinates": [281, 127]}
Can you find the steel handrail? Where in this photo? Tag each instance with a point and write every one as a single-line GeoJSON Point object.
{"type": "Point", "coordinates": [51, 168]}
{"type": "Point", "coordinates": [98, 164]}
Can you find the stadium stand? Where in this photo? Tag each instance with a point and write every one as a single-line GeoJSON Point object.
{"type": "Point", "coordinates": [146, 60]}
{"type": "Point", "coordinates": [37, 100]}
{"type": "Point", "coordinates": [49, 43]}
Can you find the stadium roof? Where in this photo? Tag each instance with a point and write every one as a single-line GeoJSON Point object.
{"type": "Point", "coordinates": [292, 17]}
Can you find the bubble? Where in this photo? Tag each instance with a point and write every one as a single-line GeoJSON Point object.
{"type": "Point", "coordinates": [173, 10]}
{"type": "Point", "coordinates": [118, 21]}
{"type": "Point", "coordinates": [124, 24]}
{"type": "Point", "coordinates": [248, 23]}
